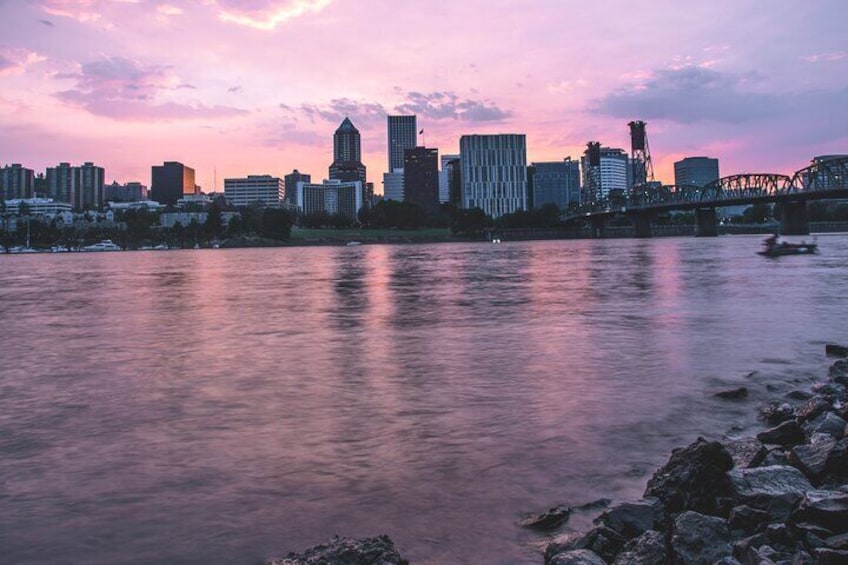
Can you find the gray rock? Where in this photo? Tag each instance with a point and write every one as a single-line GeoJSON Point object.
{"type": "Point", "coordinates": [694, 478]}
{"type": "Point", "coordinates": [345, 551]}
{"type": "Point", "coordinates": [812, 458]}
{"type": "Point", "coordinates": [838, 369]}
{"type": "Point", "coordinates": [776, 412]}
{"type": "Point", "coordinates": [837, 462]}
{"type": "Point", "coordinates": [548, 520]}
{"type": "Point", "coordinates": [577, 557]}
{"type": "Point", "coordinates": [602, 540]}
{"type": "Point", "coordinates": [789, 432]}
{"type": "Point", "coordinates": [647, 549]}
{"type": "Point", "coordinates": [825, 508]}
{"type": "Point", "coordinates": [798, 395]}
{"type": "Point", "coordinates": [774, 489]}
{"type": "Point", "coordinates": [830, 391]}
{"type": "Point", "coordinates": [747, 452]}
{"type": "Point", "coordinates": [699, 540]}
{"type": "Point", "coordinates": [812, 408]}
{"type": "Point", "coordinates": [835, 350]}
{"type": "Point", "coordinates": [777, 456]}
{"type": "Point", "coordinates": [828, 423]}
{"type": "Point", "coordinates": [746, 519]}
{"type": "Point", "coordinates": [825, 556]}
{"type": "Point", "coordinates": [631, 519]}
{"type": "Point", "coordinates": [838, 542]}
{"type": "Point", "coordinates": [732, 394]}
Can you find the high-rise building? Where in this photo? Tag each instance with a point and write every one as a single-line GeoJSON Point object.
{"type": "Point", "coordinates": [444, 181]}
{"type": "Point", "coordinates": [421, 178]}
{"type": "Point", "coordinates": [90, 181]}
{"type": "Point", "coordinates": [403, 135]}
{"type": "Point", "coordinates": [62, 183]}
{"type": "Point", "coordinates": [555, 182]}
{"type": "Point", "coordinates": [16, 182]}
{"type": "Point", "coordinates": [347, 155]}
{"type": "Point", "coordinates": [264, 189]}
{"type": "Point", "coordinates": [494, 173]}
{"type": "Point", "coordinates": [454, 178]}
{"type": "Point", "coordinates": [697, 171]}
{"type": "Point", "coordinates": [605, 169]}
{"type": "Point", "coordinates": [129, 192]}
{"type": "Point", "coordinates": [332, 196]}
{"type": "Point", "coordinates": [393, 185]}
{"type": "Point", "coordinates": [171, 181]}
{"type": "Point", "coordinates": [291, 181]}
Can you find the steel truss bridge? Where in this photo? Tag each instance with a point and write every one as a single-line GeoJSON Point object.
{"type": "Point", "coordinates": [822, 180]}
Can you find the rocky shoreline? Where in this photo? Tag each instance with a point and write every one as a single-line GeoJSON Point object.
{"type": "Point", "coordinates": [779, 498]}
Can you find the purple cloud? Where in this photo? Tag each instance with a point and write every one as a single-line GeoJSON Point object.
{"type": "Point", "coordinates": [447, 105]}
{"type": "Point", "coordinates": [123, 88]}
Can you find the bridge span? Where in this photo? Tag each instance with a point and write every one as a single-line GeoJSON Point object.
{"type": "Point", "coordinates": [820, 181]}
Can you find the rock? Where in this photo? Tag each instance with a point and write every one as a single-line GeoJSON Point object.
{"type": "Point", "coordinates": [776, 412]}
{"type": "Point", "coordinates": [777, 456]}
{"type": "Point", "coordinates": [812, 458]}
{"type": "Point", "coordinates": [787, 433]}
{"type": "Point", "coordinates": [838, 369]}
{"type": "Point", "coordinates": [798, 395]}
{"type": "Point", "coordinates": [828, 423]}
{"type": "Point", "coordinates": [830, 391]}
{"type": "Point", "coordinates": [834, 350]}
{"type": "Point", "coordinates": [647, 549]}
{"type": "Point", "coordinates": [631, 519]}
{"type": "Point", "coordinates": [698, 539]}
{"type": "Point", "coordinates": [728, 561]}
{"type": "Point", "coordinates": [746, 519]}
{"type": "Point", "coordinates": [824, 556]}
{"type": "Point", "coordinates": [602, 540]}
{"type": "Point", "coordinates": [747, 452]}
{"type": "Point", "coordinates": [774, 489]}
{"type": "Point", "coordinates": [695, 478]}
{"type": "Point", "coordinates": [577, 557]}
{"type": "Point", "coordinates": [838, 542]}
{"type": "Point", "coordinates": [825, 508]}
{"type": "Point", "coordinates": [345, 551]}
{"type": "Point", "coordinates": [812, 408]}
{"type": "Point", "coordinates": [837, 461]}
{"type": "Point", "coordinates": [733, 394]}
{"type": "Point", "coordinates": [552, 518]}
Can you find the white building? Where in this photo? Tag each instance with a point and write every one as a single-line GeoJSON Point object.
{"type": "Point", "coordinates": [393, 185]}
{"type": "Point", "coordinates": [494, 173]}
{"type": "Point", "coordinates": [612, 174]}
{"type": "Point", "coordinates": [38, 206]}
{"type": "Point", "coordinates": [268, 190]}
{"type": "Point", "coordinates": [332, 196]}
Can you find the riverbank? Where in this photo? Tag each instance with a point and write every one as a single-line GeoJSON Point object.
{"type": "Point", "coordinates": [780, 496]}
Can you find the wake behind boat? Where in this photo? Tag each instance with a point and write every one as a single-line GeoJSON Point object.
{"type": "Point", "coordinates": [774, 247]}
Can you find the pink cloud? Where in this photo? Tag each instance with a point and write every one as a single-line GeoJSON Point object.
{"type": "Point", "coordinates": [827, 57]}
{"type": "Point", "coordinates": [81, 10]}
{"type": "Point", "coordinates": [266, 14]}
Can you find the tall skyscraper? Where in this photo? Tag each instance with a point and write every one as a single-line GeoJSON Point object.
{"type": "Point", "coordinates": [62, 183]}
{"type": "Point", "coordinates": [170, 182]}
{"type": "Point", "coordinates": [421, 178]}
{"type": "Point", "coordinates": [403, 135]}
{"type": "Point", "coordinates": [444, 180]}
{"type": "Point", "coordinates": [291, 181]}
{"type": "Point", "coordinates": [91, 179]}
{"type": "Point", "coordinates": [556, 182]}
{"type": "Point", "coordinates": [347, 156]}
{"type": "Point", "coordinates": [16, 182]}
{"type": "Point", "coordinates": [698, 171]}
{"type": "Point", "coordinates": [494, 173]}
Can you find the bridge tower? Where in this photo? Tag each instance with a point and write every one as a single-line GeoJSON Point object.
{"type": "Point", "coordinates": [592, 172]}
{"type": "Point", "coordinates": [642, 171]}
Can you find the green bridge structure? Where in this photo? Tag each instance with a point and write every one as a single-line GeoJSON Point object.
{"type": "Point", "coordinates": [824, 180]}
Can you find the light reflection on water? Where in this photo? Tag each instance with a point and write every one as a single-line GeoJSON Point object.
{"type": "Point", "coordinates": [226, 406]}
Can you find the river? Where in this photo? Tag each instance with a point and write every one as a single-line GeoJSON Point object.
{"type": "Point", "coordinates": [226, 406]}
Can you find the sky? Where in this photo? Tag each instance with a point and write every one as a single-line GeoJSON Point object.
{"type": "Point", "coordinates": [239, 87]}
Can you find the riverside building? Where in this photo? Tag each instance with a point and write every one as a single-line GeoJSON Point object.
{"type": "Point", "coordinates": [494, 173]}
{"type": "Point", "coordinates": [16, 182]}
{"type": "Point", "coordinates": [264, 189]}
{"type": "Point", "coordinates": [697, 171]}
{"type": "Point", "coordinates": [171, 181]}
{"type": "Point", "coordinates": [81, 187]}
{"type": "Point", "coordinates": [332, 196]}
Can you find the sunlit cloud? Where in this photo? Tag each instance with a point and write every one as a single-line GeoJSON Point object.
{"type": "Point", "coordinates": [167, 10]}
{"type": "Point", "coordinates": [266, 14]}
{"type": "Point", "coordinates": [80, 10]}
{"type": "Point", "coordinates": [16, 60]}
{"type": "Point", "coordinates": [564, 86]}
{"type": "Point", "coordinates": [827, 57]}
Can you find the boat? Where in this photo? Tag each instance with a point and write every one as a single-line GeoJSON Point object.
{"type": "Point", "coordinates": [772, 247]}
{"type": "Point", "coordinates": [103, 245]}
{"type": "Point", "coordinates": [353, 243]}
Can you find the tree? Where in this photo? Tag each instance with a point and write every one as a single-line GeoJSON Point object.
{"type": "Point", "coordinates": [276, 224]}
{"type": "Point", "coordinates": [470, 222]}
{"type": "Point", "coordinates": [756, 214]}
{"type": "Point", "coordinates": [214, 224]}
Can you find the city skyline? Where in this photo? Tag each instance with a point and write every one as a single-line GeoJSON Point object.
{"type": "Point", "coordinates": [249, 91]}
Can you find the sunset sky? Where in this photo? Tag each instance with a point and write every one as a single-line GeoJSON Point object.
{"type": "Point", "coordinates": [259, 86]}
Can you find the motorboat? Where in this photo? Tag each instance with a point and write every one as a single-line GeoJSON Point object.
{"type": "Point", "coordinates": [103, 245]}
{"type": "Point", "coordinates": [773, 247]}
{"type": "Point", "coordinates": [353, 243]}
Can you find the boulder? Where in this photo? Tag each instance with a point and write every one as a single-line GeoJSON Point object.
{"type": "Point", "coordinates": [775, 489]}
{"type": "Point", "coordinates": [601, 540]}
{"type": "Point", "coordinates": [695, 478]}
{"type": "Point", "coordinates": [548, 520]}
{"type": "Point", "coordinates": [789, 432]}
{"type": "Point", "coordinates": [746, 519]}
{"type": "Point", "coordinates": [838, 542]}
{"type": "Point", "coordinates": [834, 350]}
{"type": "Point", "coordinates": [577, 557]}
{"type": "Point", "coordinates": [826, 508]}
{"type": "Point", "coordinates": [826, 556]}
{"type": "Point", "coordinates": [830, 391]}
{"type": "Point", "coordinates": [699, 540]}
{"type": "Point", "coordinates": [647, 549]}
{"type": "Point", "coordinates": [631, 519]}
{"type": "Point", "coordinates": [776, 412]}
{"type": "Point", "coordinates": [828, 423]}
{"type": "Point", "coordinates": [837, 461]}
{"type": "Point", "coordinates": [812, 458]}
{"type": "Point", "coordinates": [747, 452]}
{"type": "Point", "coordinates": [798, 395]}
{"type": "Point", "coordinates": [345, 551]}
{"type": "Point", "coordinates": [777, 456]}
{"type": "Point", "coordinates": [732, 394]}
{"type": "Point", "coordinates": [838, 369]}
{"type": "Point", "coordinates": [812, 408]}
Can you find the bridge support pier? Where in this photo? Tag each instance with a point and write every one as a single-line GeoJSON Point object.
{"type": "Point", "coordinates": [706, 224]}
{"type": "Point", "coordinates": [599, 227]}
{"type": "Point", "coordinates": [793, 218]}
{"type": "Point", "coordinates": [641, 224]}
